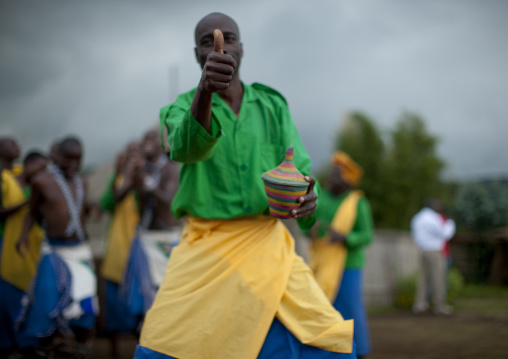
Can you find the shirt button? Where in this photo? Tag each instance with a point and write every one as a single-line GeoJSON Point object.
{"type": "Point", "coordinates": [239, 127]}
{"type": "Point", "coordinates": [243, 167]}
{"type": "Point", "coordinates": [248, 209]}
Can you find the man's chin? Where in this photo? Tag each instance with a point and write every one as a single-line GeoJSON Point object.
{"type": "Point", "coordinates": [69, 173]}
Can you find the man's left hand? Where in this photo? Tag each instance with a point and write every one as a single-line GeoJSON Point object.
{"type": "Point", "coordinates": [308, 202]}
{"type": "Point", "coordinates": [336, 237]}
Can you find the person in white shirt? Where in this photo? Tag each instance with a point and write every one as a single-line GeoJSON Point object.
{"type": "Point", "coordinates": [431, 230]}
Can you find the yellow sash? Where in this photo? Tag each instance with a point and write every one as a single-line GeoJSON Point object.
{"type": "Point", "coordinates": [14, 269]}
{"type": "Point", "coordinates": [121, 234]}
{"type": "Point", "coordinates": [224, 285]}
{"type": "Point", "coordinates": [327, 260]}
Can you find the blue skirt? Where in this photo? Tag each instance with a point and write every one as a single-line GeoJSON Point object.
{"type": "Point", "coordinates": [10, 307]}
{"type": "Point", "coordinates": [349, 303]}
{"type": "Point", "coordinates": [119, 319]}
{"type": "Point", "coordinates": [137, 292]}
{"type": "Point", "coordinates": [49, 296]}
{"type": "Point", "coordinates": [279, 343]}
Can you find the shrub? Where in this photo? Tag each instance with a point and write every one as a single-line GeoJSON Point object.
{"type": "Point", "coordinates": [405, 291]}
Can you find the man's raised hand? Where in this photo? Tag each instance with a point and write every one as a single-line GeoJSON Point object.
{"type": "Point", "coordinates": [219, 67]}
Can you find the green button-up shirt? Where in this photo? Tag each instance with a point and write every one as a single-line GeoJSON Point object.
{"type": "Point", "coordinates": [363, 228]}
{"type": "Point", "coordinates": [221, 173]}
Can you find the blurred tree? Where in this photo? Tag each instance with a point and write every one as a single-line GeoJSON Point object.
{"type": "Point", "coordinates": [361, 139]}
{"type": "Point", "coordinates": [474, 207]}
{"type": "Point", "coordinates": [482, 206]}
{"type": "Point", "coordinates": [499, 193]}
{"type": "Point", "coordinates": [412, 171]}
{"type": "Point", "coordinates": [397, 177]}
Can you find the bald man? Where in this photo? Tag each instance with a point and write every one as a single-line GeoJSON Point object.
{"type": "Point", "coordinates": [234, 287]}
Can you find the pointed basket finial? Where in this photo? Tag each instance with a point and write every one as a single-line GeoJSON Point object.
{"type": "Point", "coordinates": [284, 184]}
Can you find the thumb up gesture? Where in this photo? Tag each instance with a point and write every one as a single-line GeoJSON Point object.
{"type": "Point", "coordinates": [219, 68]}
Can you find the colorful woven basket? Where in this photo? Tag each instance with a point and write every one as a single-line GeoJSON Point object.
{"type": "Point", "coordinates": [284, 185]}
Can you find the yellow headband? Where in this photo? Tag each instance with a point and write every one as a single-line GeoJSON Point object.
{"type": "Point", "coordinates": [351, 172]}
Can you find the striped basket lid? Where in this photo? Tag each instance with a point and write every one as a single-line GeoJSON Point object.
{"type": "Point", "coordinates": [286, 173]}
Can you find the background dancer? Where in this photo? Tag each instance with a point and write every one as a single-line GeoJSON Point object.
{"type": "Point", "coordinates": [16, 271]}
{"type": "Point", "coordinates": [63, 296]}
{"type": "Point", "coordinates": [345, 228]}
{"type": "Point", "coordinates": [121, 200]}
{"type": "Point", "coordinates": [155, 183]}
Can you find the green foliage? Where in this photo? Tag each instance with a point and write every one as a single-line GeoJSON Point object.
{"type": "Point", "coordinates": [398, 176]}
{"type": "Point", "coordinates": [361, 139]}
{"type": "Point", "coordinates": [405, 291]}
{"type": "Point", "coordinates": [482, 206]}
{"type": "Point", "coordinates": [485, 291]}
{"type": "Point", "coordinates": [413, 170]}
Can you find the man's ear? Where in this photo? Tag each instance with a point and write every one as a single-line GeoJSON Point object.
{"type": "Point", "coordinates": [196, 54]}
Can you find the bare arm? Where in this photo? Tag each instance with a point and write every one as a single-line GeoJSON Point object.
{"type": "Point", "coordinates": [130, 169]}
{"type": "Point", "coordinates": [168, 185]}
{"type": "Point", "coordinates": [121, 192]}
{"type": "Point", "coordinates": [7, 211]}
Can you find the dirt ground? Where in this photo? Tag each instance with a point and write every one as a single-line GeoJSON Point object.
{"type": "Point", "coordinates": [464, 336]}
{"type": "Point", "coordinates": [477, 330]}
{"type": "Point", "coordinates": [401, 335]}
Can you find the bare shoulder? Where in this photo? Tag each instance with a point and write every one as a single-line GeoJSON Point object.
{"type": "Point", "coordinates": [42, 180]}
{"type": "Point", "coordinates": [42, 184]}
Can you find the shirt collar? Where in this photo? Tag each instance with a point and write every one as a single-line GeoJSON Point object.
{"type": "Point", "coordinates": [248, 95]}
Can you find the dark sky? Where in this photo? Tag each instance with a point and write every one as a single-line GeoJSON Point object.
{"type": "Point", "coordinates": [101, 69]}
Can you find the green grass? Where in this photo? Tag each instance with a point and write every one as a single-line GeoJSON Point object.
{"type": "Point", "coordinates": [484, 290]}
{"type": "Point", "coordinates": [483, 300]}
{"type": "Point", "coordinates": [389, 309]}
{"type": "Point", "coordinates": [406, 288]}
{"type": "Point", "coordinates": [472, 299]}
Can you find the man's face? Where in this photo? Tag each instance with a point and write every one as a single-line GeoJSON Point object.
{"type": "Point", "coordinates": [336, 183]}
{"type": "Point", "coordinates": [134, 152]}
{"type": "Point", "coordinates": [151, 146]}
{"type": "Point", "coordinates": [33, 167]}
{"type": "Point", "coordinates": [204, 38]}
{"type": "Point", "coordinates": [70, 159]}
{"type": "Point", "coordinates": [9, 149]}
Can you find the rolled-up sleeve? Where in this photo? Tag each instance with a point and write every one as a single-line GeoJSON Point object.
{"type": "Point", "coordinates": [188, 140]}
{"type": "Point", "coordinates": [363, 229]}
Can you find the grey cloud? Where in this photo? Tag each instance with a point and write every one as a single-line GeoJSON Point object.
{"type": "Point", "coordinates": [101, 69]}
